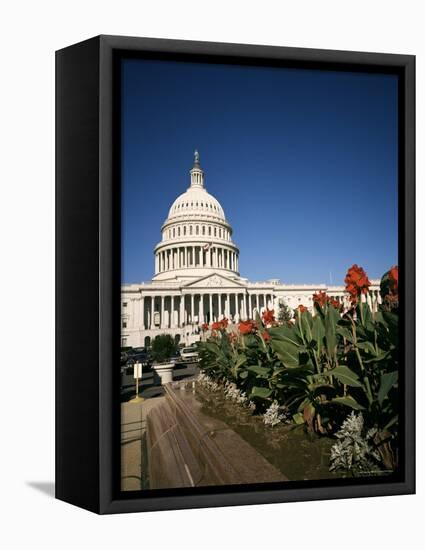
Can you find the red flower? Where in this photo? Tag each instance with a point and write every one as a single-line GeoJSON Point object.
{"type": "Point", "coordinates": [302, 309]}
{"type": "Point", "coordinates": [389, 291]}
{"type": "Point", "coordinates": [205, 327]}
{"type": "Point", "coordinates": [356, 282]}
{"type": "Point", "coordinates": [268, 316]}
{"type": "Point", "coordinates": [246, 327]}
{"type": "Point", "coordinates": [321, 298]}
{"type": "Point", "coordinates": [393, 276]}
{"type": "Point", "coordinates": [334, 302]}
{"type": "Point", "coordinates": [220, 325]}
{"type": "Point", "coordinates": [266, 336]}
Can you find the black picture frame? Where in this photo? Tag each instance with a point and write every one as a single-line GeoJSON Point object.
{"type": "Point", "coordinates": [88, 271]}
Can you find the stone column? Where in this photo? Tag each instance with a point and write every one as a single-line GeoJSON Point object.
{"type": "Point", "coordinates": [201, 309]}
{"type": "Point", "coordinates": [227, 308]}
{"type": "Point", "coordinates": [152, 311]}
{"type": "Point", "coordinates": [192, 307]}
{"type": "Point", "coordinates": [172, 323]}
{"type": "Point", "coordinates": [161, 322]}
{"type": "Point", "coordinates": [181, 316]}
{"type": "Point", "coordinates": [142, 313]}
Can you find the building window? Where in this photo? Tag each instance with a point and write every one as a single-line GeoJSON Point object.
{"type": "Point", "coordinates": [190, 230]}
{"type": "Point", "coordinates": [197, 229]}
{"type": "Point", "coordinates": [215, 232]}
{"type": "Point", "coordinates": [203, 230]}
{"type": "Point", "coordinates": [123, 342]}
{"type": "Point", "coordinates": [184, 230]}
{"type": "Point", "coordinates": [124, 304]}
{"type": "Point", "coordinates": [124, 323]}
{"type": "Point", "coordinates": [178, 231]}
{"type": "Point", "coordinates": [209, 230]}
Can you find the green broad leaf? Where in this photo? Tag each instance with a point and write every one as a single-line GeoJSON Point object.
{"type": "Point", "coordinates": [264, 372]}
{"type": "Point", "coordinates": [345, 333]}
{"type": "Point", "coordinates": [382, 356]}
{"type": "Point", "coordinates": [243, 374]}
{"type": "Point", "coordinates": [393, 421]}
{"type": "Point", "coordinates": [285, 333]}
{"type": "Point", "coordinates": [347, 402]}
{"type": "Point", "coordinates": [345, 376]}
{"type": "Point", "coordinates": [366, 315]}
{"type": "Point", "coordinates": [388, 379]}
{"type": "Point", "coordinates": [240, 361]}
{"type": "Point", "coordinates": [298, 418]}
{"type": "Point", "coordinates": [367, 346]}
{"type": "Point", "coordinates": [287, 353]}
{"type": "Point", "coordinates": [318, 332]}
{"type": "Point", "coordinates": [331, 320]}
{"type": "Point", "coordinates": [379, 318]}
{"type": "Point", "coordinates": [306, 322]}
{"type": "Point", "coordinates": [391, 319]}
{"type": "Point", "coordinates": [262, 393]}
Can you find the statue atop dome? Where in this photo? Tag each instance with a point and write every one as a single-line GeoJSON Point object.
{"type": "Point", "coordinates": [196, 163]}
{"type": "Point", "coordinates": [196, 174]}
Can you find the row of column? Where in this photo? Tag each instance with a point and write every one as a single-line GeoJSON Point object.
{"type": "Point", "coordinates": [373, 298]}
{"type": "Point", "coordinates": [150, 312]}
{"type": "Point", "coordinates": [196, 256]}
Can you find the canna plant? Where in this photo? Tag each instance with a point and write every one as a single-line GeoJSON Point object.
{"type": "Point", "coordinates": [320, 367]}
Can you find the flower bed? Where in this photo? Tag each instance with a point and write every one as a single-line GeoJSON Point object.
{"type": "Point", "coordinates": [335, 372]}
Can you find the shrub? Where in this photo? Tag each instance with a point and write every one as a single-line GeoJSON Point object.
{"type": "Point", "coordinates": [163, 348]}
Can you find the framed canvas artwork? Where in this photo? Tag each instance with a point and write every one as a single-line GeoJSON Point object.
{"type": "Point", "coordinates": [235, 274]}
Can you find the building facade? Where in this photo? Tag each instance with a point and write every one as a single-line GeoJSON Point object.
{"type": "Point", "coordinates": [197, 277]}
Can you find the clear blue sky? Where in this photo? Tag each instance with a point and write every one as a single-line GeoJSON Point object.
{"type": "Point", "coordinates": [303, 162]}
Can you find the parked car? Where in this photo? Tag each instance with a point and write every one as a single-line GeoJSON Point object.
{"type": "Point", "coordinates": [176, 358]}
{"type": "Point", "coordinates": [189, 355]}
{"type": "Point", "coordinates": [137, 355]}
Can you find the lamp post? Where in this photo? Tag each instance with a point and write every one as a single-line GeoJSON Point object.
{"type": "Point", "coordinates": [137, 374]}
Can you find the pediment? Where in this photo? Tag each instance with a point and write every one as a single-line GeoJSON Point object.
{"type": "Point", "coordinates": [214, 281]}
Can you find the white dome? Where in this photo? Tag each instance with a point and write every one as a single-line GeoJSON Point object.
{"type": "Point", "coordinates": [196, 237]}
{"type": "Point", "coordinates": [195, 202]}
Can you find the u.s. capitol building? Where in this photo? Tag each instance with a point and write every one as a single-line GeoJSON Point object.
{"type": "Point", "coordinates": [197, 277]}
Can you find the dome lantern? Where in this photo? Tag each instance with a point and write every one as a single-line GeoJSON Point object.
{"type": "Point", "coordinates": [196, 174]}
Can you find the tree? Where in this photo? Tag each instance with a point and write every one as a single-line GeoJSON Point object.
{"type": "Point", "coordinates": [284, 313]}
{"type": "Point", "coordinates": [163, 348]}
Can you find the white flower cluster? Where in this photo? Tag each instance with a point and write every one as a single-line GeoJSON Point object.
{"type": "Point", "coordinates": [208, 382]}
{"type": "Point", "coordinates": [353, 451]}
{"type": "Point", "coordinates": [273, 415]}
{"type": "Point", "coordinates": [232, 392]}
